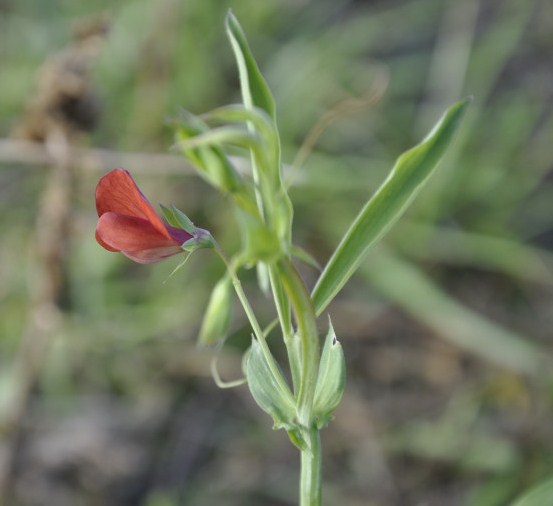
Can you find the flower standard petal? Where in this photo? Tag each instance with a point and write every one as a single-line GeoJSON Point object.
{"type": "Point", "coordinates": [117, 192]}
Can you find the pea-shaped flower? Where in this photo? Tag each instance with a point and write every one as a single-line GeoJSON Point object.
{"type": "Point", "coordinates": [128, 223]}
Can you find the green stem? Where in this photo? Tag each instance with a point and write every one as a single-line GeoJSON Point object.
{"type": "Point", "coordinates": [307, 329]}
{"type": "Point", "coordinates": [311, 465]}
{"type": "Point", "coordinates": [310, 480]}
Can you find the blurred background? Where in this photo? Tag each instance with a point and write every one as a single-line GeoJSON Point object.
{"type": "Point", "coordinates": [105, 399]}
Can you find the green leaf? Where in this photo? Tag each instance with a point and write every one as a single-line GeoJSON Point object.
{"type": "Point", "coordinates": [265, 389]}
{"type": "Point", "coordinates": [331, 380]}
{"type": "Point", "coordinates": [238, 113]}
{"type": "Point", "coordinates": [540, 495]}
{"type": "Point", "coordinates": [255, 91]}
{"type": "Point", "coordinates": [411, 171]}
{"type": "Point", "coordinates": [262, 124]}
{"type": "Point", "coordinates": [231, 136]}
{"type": "Point", "coordinates": [210, 160]}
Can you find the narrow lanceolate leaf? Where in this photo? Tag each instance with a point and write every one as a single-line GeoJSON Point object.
{"type": "Point", "coordinates": [540, 495]}
{"type": "Point", "coordinates": [209, 159]}
{"type": "Point", "coordinates": [411, 171]}
{"type": "Point", "coordinates": [255, 91]}
{"type": "Point", "coordinates": [262, 124]}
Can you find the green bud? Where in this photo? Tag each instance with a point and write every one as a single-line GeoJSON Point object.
{"type": "Point", "coordinates": [331, 381]}
{"type": "Point", "coordinates": [218, 314]}
{"type": "Point", "coordinates": [269, 395]}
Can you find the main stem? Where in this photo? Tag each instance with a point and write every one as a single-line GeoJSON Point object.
{"type": "Point", "coordinates": [311, 465]}
{"type": "Point", "coordinates": [307, 330]}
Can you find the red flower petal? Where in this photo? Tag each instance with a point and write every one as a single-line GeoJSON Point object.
{"type": "Point", "coordinates": [117, 192]}
{"type": "Point", "coordinates": [135, 236]}
{"type": "Point", "coordinates": [151, 256]}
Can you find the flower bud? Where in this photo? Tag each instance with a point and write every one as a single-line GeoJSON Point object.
{"type": "Point", "coordinates": [218, 314]}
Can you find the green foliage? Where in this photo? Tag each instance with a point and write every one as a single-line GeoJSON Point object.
{"type": "Point", "coordinates": [255, 92]}
{"type": "Point", "coordinates": [410, 172]}
{"type": "Point", "coordinates": [209, 159]}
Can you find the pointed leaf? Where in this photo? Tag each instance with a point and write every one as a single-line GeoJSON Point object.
{"type": "Point", "coordinates": [261, 123]}
{"type": "Point", "coordinates": [232, 136]}
{"type": "Point", "coordinates": [407, 177]}
{"type": "Point", "coordinates": [210, 160]}
{"type": "Point", "coordinates": [255, 91]}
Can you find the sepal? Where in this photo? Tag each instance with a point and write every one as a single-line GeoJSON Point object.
{"type": "Point", "coordinates": [202, 239]}
{"type": "Point", "coordinates": [176, 218]}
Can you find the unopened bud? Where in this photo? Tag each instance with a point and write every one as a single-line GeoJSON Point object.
{"type": "Point", "coordinates": [218, 314]}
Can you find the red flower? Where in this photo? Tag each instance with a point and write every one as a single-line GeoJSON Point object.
{"type": "Point", "coordinates": [128, 223]}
